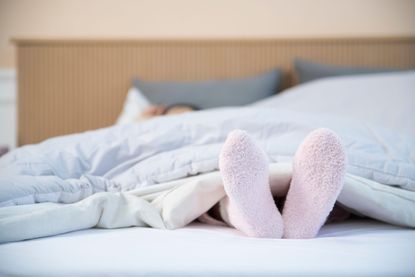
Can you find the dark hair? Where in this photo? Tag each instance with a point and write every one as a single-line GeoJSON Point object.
{"type": "Point", "coordinates": [193, 107]}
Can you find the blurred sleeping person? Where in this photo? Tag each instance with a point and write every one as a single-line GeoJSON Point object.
{"type": "Point", "coordinates": [249, 206]}
{"type": "Point", "coordinates": [159, 110]}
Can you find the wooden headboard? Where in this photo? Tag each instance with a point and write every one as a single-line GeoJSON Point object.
{"type": "Point", "coordinates": [73, 85]}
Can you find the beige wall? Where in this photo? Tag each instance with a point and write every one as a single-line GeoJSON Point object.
{"type": "Point", "coordinates": [201, 18]}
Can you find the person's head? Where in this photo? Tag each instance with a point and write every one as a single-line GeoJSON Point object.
{"type": "Point", "coordinates": [159, 110]}
{"type": "Point", "coordinates": [180, 108]}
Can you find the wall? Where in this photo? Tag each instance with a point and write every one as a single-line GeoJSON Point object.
{"type": "Point", "coordinates": [201, 18]}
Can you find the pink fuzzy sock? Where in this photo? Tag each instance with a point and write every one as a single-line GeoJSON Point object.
{"type": "Point", "coordinates": [250, 206]}
{"type": "Point", "coordinates": [318, 172]}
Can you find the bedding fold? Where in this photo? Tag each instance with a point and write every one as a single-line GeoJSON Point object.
{"type": "Point", "coordinates": [106, 171]}
{"type": "Point", "coordinates": [175, 204]}
{"type": "Point", "coordinates": [173, 147]}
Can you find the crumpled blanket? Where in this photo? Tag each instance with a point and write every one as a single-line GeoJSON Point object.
{"type": "Point", "coordinates": [99, 171]}
{"type": "Point", "coordinates": [175, 204]}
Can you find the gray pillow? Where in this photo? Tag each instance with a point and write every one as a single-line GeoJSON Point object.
{"type": "Point", "coordinates": [212, 93]}
{"type": "Point", "coordinates": [308, 71]}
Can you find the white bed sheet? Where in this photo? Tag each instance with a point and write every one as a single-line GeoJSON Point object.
{"type": "Point", "coordinates": [357, 247]}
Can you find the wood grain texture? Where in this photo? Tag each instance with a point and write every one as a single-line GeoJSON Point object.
{"type": "Point", "coordinates": [73, 85]}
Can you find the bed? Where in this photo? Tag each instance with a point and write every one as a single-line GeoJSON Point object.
{"type": "Point", "coordinates": [163, 173]}
{"type": "Point", "coordinates": [368, 248]}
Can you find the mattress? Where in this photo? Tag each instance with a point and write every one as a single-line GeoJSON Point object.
{"type": "Point", "coordinates": [354, 247]}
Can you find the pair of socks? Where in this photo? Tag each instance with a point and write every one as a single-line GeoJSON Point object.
{"type": "Point", "coordinates": [318, 173]}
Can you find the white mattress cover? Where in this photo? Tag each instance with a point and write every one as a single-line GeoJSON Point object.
{"type": "Point", "coordinates": [358, 247]}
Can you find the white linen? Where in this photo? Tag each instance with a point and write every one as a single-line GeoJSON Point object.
{"type": "Point", "coordinates": [134, 105]}
{"type": "Point", "coordinates": [386, 99]}
{"type": "Point", "coordinates": [175, 204]}
{"type": "Point", "coordinates": [130, 156]}
{"type": "Point", "coordinates": [351, 248]}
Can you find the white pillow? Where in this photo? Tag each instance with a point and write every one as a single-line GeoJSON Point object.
{"type": "Point", "coordinates": [134, 105]}
{"type": "Point", "coordinates": [386, 99]}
